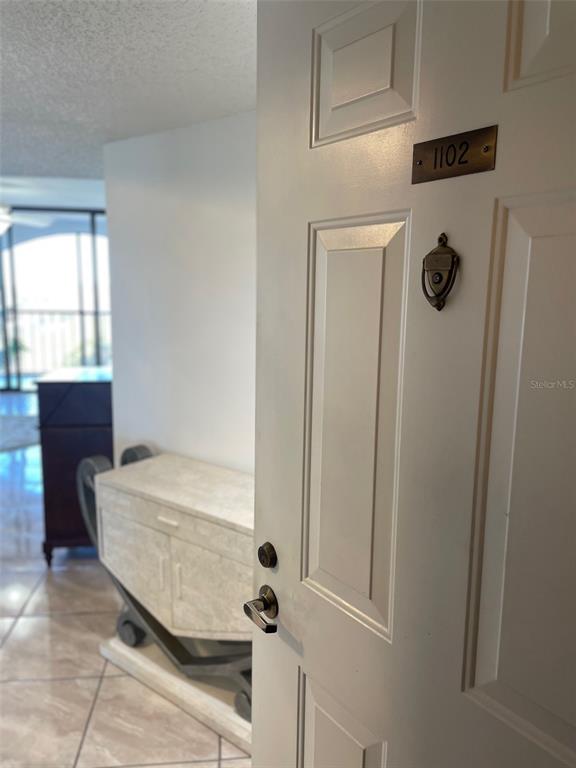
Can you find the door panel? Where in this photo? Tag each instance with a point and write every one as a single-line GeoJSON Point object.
{"type": "Point", "coordinates": [344, 413]}
{"type": "Point", "coordinates": [353, 361]}
{"type": "Point", "coordinates": [541, 40]}
{"type": "Point", "coordinates": [365, 70]}
{"type": "Point", "coordinates": [524, 633]}
{"type": "Point", "coordinates": [416, 494]}
{"type": "Point", "coordinates": [331, 737]}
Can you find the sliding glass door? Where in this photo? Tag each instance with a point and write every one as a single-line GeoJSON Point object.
{"type": "Point", "coordinates": [9, 361]}
{"type": "Point", "coordinates": [54, 293]}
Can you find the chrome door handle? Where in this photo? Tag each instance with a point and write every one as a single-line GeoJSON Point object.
{"type": "Point", "coordinates": [263, 608]}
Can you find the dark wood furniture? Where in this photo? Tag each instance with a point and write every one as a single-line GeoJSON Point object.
{"type": "Point", "coordinates": [75, 406]}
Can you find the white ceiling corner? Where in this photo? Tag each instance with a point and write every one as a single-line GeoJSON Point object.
{"type": "Point", "coordinates": [75, 74]}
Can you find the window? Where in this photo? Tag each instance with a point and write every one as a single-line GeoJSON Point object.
{"type": "Point", "coordinates": [54, 294]}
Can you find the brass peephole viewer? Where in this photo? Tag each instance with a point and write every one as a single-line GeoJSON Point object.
{"type": "Point", "coordinates": [439, 270]}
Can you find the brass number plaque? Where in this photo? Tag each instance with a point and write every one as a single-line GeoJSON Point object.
{"type": "Point", "coordinates": [457, 155]}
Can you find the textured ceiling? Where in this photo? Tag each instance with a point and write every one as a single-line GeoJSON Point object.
{"type": "Point", "coordinates": [75, 74]}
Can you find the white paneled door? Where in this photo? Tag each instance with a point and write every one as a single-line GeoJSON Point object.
{"type": "Point", "coordinates": [415, 468]}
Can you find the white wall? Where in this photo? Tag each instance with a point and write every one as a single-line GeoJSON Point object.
{"type": "Point", "coordinates": [182, 226]}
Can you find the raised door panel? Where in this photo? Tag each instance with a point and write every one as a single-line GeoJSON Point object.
{"type": "Point", "coordinates": [541, 41]}
{"type": "Point", "coordinates": [208, 593]}
{"type": "Point", "coordinates": [365, 71]}
{"type": "Point", "coordinates": [330, 736]}
{"type": "Point", "coordinates": [525, 624]}
{"type": "Point", "coordinates": [139, 558]}
{"type": "Point", "coordinates": [357, 276]}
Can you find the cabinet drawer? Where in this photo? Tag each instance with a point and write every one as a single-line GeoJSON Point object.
{"type": "Point", "coordinates": [139, 557]}
{"type": "Point", "coordinates": [64, 404]}
{"type": "Point", "coordinates": [208, 593]}
{"type": "Point", "coordinates": [232, 544]}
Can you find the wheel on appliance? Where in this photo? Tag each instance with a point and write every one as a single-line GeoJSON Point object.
{"type": "Point", "coordinates": [131, 633]}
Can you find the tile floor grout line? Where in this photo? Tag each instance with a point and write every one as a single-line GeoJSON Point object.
{"type": "Point", "coordinates": [91, 712]}
{"type": "Point", "coordinates": [88, 720]}
{"type": "Point", "coordinates": [215, 760]}
{"type": "Point", "coordinates": [64, 679]}
{"type": "Point", "coordinates": [9, 630]}
{"type": "Point", "coordinates": [66, 613]}
{"type": "Point", "coordinates": [146, 685]}
{"type": "Point", "coordinates": [161, 765]}
{"type": "Point", "coordinates": [219, 750]}
{"type": "Point", "coordinates": [19, 615]}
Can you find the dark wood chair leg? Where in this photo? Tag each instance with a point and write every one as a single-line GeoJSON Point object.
{"type": "Point", "coordinates": [48, 550]}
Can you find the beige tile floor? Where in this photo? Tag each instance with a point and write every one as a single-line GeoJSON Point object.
{"type": "Point", "coordinates": [61, 704]}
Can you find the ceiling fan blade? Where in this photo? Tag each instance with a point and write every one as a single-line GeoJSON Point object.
{"type": "Point", "coordinates": [38, 220]}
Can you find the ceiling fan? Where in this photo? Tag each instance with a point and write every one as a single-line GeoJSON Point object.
{"type": "Point", "coordinates": [9, 217]}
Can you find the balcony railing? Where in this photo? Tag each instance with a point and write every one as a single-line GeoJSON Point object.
{"type": "Point", "coordinates": [43, 340]}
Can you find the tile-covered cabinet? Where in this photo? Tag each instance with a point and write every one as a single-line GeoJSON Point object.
{"type": "Point", "coordinates": [178, 534]}
{"type": "Point", "coordinates": [143, 566]}
{"type": "Point", "coordinates": [192, 606]}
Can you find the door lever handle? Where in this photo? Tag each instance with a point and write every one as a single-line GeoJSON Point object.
{"type": "Point", "coordinates": [263, 608]}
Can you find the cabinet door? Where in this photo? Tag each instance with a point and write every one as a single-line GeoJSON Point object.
{"type": "Point", "coordinates": [139, 558]}
{"type": "Point", "coordinates": [209, 591]}
{"type": "Point", "coordinates": [63, 448]}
